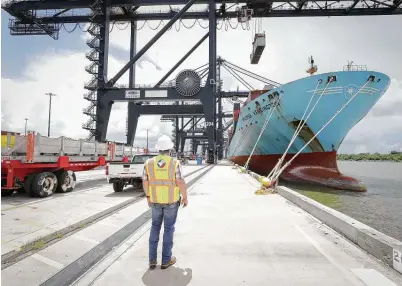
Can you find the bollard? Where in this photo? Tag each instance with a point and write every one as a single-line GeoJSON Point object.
{"type": "Point", "coordinates": [265, 182]}
{"type": "Point", "coordinates": [266, 186]}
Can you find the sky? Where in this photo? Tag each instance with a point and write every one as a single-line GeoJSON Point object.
{"type": "Point", "coordinates": [34, 65]}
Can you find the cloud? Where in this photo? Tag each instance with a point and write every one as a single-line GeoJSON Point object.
{"type": "Point", "coordinates": [381, 130]}
{"type": "Point", "coordinates": [25, 97]}
{"type": "Point", "coordinates": [389, 103]}
{"type": "Point", "coordinates": [63, 73]}
{"type": "Point", "coordinates": [332, 41]}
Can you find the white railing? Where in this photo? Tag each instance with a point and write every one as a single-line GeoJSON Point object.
{"type": "Point", "coordinates": [355, 68]}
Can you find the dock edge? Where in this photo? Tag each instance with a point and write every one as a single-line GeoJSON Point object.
{"type": "Point", "coordinates": [376, 243]}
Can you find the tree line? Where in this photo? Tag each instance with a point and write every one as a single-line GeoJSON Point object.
{"type": "Point", "coordinates": [394, 156]}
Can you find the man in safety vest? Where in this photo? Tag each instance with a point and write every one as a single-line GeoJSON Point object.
{"type": "Point", "coordinates": [163, 183]}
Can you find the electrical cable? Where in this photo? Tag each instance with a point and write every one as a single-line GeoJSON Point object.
{"type": "Point", "coordinates": [202, 25]}
{"type": "Point", "coordinates": [65, 29]}
{"type": "Point", "coordinates": [191, 26]}
{"type": "Point", "coordinates": [111, 30]}
{"type": "Point", "coordinates": [177, 24]}
{"type": "Point", "coordinates": [117, 26]}
{"type": "Point", "coordinates": [157, 27]}
{"type": "Point", "coordinates": [79, 26]}
{"type": "Point", "coordinates": [221, 23]}
{"type": "Point", "coordinates": [142, 25]}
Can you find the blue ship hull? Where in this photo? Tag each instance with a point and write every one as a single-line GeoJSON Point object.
{"type": "Point", "coordinates": [317, 162]}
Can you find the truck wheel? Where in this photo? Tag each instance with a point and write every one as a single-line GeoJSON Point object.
{"type": "Point", "coordinates": [44, 184]}
{"type": "Point", "coordinates": [28, 185]}
{"type": "Point", "coordinates": [66, 181]}
{"type": "Point", "coordinates": [118, 186]}
{"type": "Point", "coordinates": [137, 185]}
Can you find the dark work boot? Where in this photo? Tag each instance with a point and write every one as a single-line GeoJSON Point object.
{"type": "Point", "coordinates": [152, 264]}
{"type": "Point", "coordinates": [170, 263]}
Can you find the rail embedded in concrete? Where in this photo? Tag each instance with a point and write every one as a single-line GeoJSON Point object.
{"type": "Point", "coordinates": [259, 240]}
{"type": "Point", "coordinates": [376, 243]}
{"type": "Point", "coordinates": [75, 270]}
{"type": "Point", "coordinates": [261, 237]}
{"type": "Point", "coordinates": [31, 246]}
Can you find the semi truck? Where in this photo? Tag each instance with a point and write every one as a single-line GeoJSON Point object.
{"type": "Point", "coordinates": [41, 166]}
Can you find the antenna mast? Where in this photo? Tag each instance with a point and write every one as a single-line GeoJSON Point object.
{"type": "Point", "coordinates": [313, 68]}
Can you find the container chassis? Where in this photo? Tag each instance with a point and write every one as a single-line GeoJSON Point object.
{"type": "Point", "coordinates": [41, 166]}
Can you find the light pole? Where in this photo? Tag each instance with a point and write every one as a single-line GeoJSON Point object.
{"type": "Point", "coordinates": [147, 141]}
{"type": "Point", "coordinates": [50, 110]}
{"type": "Point", "coordinates": [26, 123]}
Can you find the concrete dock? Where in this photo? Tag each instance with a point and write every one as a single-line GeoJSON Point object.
{"type": "Point", "coordinates": [26, 219]}
{"type": "Point", "coordinates": [229, 236]}
{"type": "Point", "coordinates": [43, 263]}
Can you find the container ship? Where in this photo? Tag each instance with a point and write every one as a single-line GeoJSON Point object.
{"type": "Point", "coordinates": [317, 162]}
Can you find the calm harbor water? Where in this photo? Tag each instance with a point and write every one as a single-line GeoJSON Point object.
{"type": "Point", "coordinates": [380, 207]}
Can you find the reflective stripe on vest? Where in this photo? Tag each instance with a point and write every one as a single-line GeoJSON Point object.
{"type": "Point", "coordinates": [162, 180]}
{"type": "Point", "coordinates": [151, 177]}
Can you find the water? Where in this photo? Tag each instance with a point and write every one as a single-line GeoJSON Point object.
{"type": "Point", "coordinates": [380, 207]}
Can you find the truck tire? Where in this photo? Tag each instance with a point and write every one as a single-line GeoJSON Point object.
{"type": "Point", "coordinates": [118, 186]}
{"type": "Point", "coordinates": [137, 185]}
{"type": "Point", "coordinates": [28, 185]}
{"type": "Point", "coordinates": [66, 181]}
{"type": "Point", "coordinates": [44, 185]}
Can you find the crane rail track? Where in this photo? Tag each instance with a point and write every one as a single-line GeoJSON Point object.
{"type": "Point", "coordinates": [29, 249]}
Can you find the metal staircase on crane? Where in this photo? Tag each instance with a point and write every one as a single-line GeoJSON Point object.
{"type": "Point", "coordinates": [92, 68]}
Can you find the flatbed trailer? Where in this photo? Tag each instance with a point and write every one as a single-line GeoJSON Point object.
{"type": "Point", "coordinates": [41, 166]}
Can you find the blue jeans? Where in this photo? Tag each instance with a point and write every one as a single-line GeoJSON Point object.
{"type": "Point", "coordinates": [167, 214]}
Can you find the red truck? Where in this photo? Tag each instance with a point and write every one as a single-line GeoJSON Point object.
{"type": "Point", "coordinates": [40, 165]}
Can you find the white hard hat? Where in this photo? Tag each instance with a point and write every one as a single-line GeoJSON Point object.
{"type": "Point", "coordinates": [164, 143]}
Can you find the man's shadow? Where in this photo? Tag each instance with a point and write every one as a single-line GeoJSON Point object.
{"type": "Point", "coordinates": [173, 276]}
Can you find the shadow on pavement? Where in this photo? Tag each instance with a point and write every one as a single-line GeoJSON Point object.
{"type": "Point", "coordinates": [173, 276]}
{"type": "Point", "coordinates": [127, 192]}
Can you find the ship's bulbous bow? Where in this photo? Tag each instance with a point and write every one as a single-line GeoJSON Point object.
{"type": "Point", "coordinates": [317, 168]}
{"type": "Point", "coordinates": [324, 176]}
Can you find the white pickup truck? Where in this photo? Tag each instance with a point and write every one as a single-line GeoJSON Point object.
{"type": "Point", "coordinates": [121, 174]}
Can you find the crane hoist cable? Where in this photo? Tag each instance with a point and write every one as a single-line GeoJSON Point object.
{"type": "Point", "coordinates": [277, 174]}
{"type": "Point", "coordinates": [238, 77]}
{"type": "Point", "coordinates": [200, 67]}
{"type": "Point", "coordinates": [251, 74]}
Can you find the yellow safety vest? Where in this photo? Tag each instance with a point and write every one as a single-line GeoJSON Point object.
{"type": "Point", "coordinates": [161, 172]}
